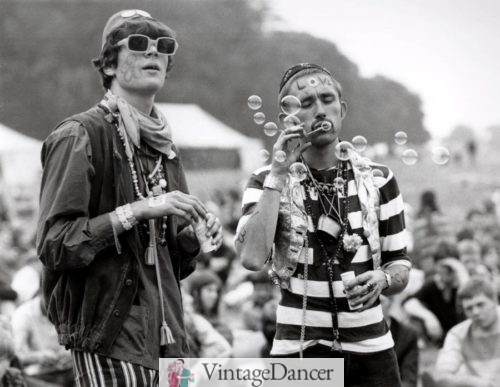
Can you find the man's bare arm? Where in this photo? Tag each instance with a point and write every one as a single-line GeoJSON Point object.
{"type": "Point", "coordinates": [255, 236]}
{"type": "Point", "coordinates": [254, 239]}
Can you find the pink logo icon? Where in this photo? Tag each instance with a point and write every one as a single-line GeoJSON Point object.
{"type": "Point", "coordinates": [178, 375]}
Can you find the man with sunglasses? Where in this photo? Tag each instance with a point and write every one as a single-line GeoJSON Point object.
{"type": "Point", "coordinates": [318, 213]}
{"type": "Point", "coordinates": [115, 229]}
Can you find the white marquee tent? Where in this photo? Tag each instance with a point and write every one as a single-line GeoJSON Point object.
{"type": "Point", "coordinates": [194, 128]}
{"type": "Point", "coordinates": [19, 157]}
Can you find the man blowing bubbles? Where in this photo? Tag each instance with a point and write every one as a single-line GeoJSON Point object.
{"type": "Point", "coordinates": [339, 218]}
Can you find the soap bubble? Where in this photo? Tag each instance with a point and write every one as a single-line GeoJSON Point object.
{"type": "Point", "coordinates": [338, 182]}
{"type": "Point", "coordinates": [409, 156]}
{"type": "Point", "coordinates": [291, 121]}
{"type": "Point", "coordinates": [264, 155]}
{"type": "Point", "coordinates": [290, 105]}
{"type": "Point", "coordinates": [440, 155]}
{"type": "Point", "coordinates": [259, 118]}
{"type": "Point", "coordinates": [270, 129]}
{"type": "Point", "coordinates": [298, 171]}
{"type": "Point", "coordinates": [254, 102]}
{"type": "Point", "coordinates": [280, 156]}
{"type": "Point", "coordinates": [343, 150]}
{"type": "Point", "coordinates": [359, 143]}
{"type": "Point", "coordinates": [326, 126]}
{"type": "Point", "coordinates": [400, 138]}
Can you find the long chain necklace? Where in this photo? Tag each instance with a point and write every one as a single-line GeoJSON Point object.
{"type": "Point", "coordinates": [336, 346]}
{"type": "Point", "coordinates": [304, 299]}
{"type": "Point", "coordinates": [151, 256]}
{"type": "Point", "coordinates": [161, 182]}
{"type": "Point", "coordinates": [325, 189]}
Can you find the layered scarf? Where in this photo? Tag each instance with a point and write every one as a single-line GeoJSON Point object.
{"type": "Point", "coordinates": [152, 129]}
{"type": "Point", "coordinates": [369, 198]}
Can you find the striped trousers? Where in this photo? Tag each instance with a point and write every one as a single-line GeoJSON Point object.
{"type": "Point", "coordinates": [92, 370]}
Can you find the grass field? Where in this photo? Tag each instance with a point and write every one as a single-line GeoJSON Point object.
{"type": "Point", "coordinates": [459, 187]}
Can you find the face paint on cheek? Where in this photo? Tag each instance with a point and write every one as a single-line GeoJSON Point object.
{"type": "Point", "coordinates": [128, 69]}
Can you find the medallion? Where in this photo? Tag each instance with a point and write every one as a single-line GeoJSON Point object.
{"type": "Point", "coordinates": [329, 226]}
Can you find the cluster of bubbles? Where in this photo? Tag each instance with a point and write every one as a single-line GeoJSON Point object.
{"type": "Point", "coordinates": [290, 106]}
{"type": "Point", "coordinates": [408, 156]}
{"type": "Point", "coordinates": [440, 155]}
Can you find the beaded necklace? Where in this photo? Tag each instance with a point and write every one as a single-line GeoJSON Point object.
{"type": "Point", "coordinates": [325, 189]}
{"type": "Point", "coordinates": [157, 176]}
{"type": "Point", "coordinates": [336, 346]}
{"type": "Point", "coordinates": [156, 184]}
{"type": "Point", "coordinates": [151, 256]}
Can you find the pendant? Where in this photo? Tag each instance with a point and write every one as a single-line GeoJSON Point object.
{"type": "Point", "coordinates": [157, 190]}
{"type": "Point", "coordinates": [329, 226]}
{"type": "Point", "coordinates": [336, 346]}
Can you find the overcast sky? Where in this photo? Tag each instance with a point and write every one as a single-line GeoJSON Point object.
{"type": "Point", "coordinates": [447, 51]}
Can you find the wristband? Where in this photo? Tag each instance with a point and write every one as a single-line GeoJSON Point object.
{"type": "Point", "coordinates": [126, 216]}
{"type": "Point", "coordinates": [127, 209]}
{"type": "Point", "coordinates": [274, 182]}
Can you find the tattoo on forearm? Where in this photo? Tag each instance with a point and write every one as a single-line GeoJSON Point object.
{"type": "Point", "coordinates": [243, 232]}
{"type": "Point", "coordinates": [241, 236]}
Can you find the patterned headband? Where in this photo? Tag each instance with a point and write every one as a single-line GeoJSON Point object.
{"type": "Point", "coordinates": [297, 68]}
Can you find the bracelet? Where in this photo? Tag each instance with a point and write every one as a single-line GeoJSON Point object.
{"type": "Point", "coordinates": [276, 183]}
{"type": "Point", "coordinates": [126, 216]}
{"type": "Point", "coordinates": [127, 208]}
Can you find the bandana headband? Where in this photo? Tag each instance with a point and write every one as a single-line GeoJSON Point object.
{"type": "Point", "coordinates": [297, 68]}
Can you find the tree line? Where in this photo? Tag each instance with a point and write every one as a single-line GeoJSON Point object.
{"type": "Point", "coordinates": [225, 55]}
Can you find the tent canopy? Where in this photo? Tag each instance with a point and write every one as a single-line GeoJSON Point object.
{"type": "Point", "coordinates": [11, 141]}
{"type": "Point", "coordinates": [195, 128]}
{"type": "Point", "coordinates": [19, 158]}
{"type": "Point", "coordinates": [207, 143]}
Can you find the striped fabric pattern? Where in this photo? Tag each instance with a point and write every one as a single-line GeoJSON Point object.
{"type": "Point", "coordinates": [360, 332]}
{"type": "Point", "coordinates": [92, 370]}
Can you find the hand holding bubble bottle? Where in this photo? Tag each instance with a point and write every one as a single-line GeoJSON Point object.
{"type": "Point", "coordinates": [346, 277]}
{"type": "Point", "coordinates": [200, 229]}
